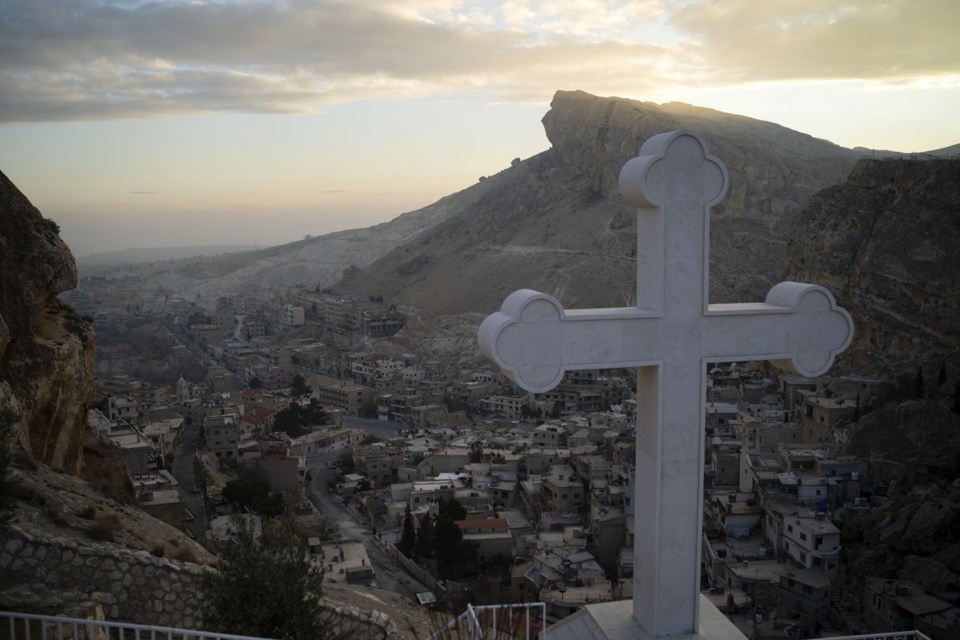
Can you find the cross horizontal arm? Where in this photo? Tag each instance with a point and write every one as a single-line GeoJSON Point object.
{"type": "Point", "coordinates": [534, 339]}
{"type": "Point", "coordinates": [799, 328]}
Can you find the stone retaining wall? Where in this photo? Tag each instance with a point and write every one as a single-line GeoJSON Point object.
{"type": "Point", "coordinates": [134, 586]}
{"type": "Point", "coordinates": [59, 576]}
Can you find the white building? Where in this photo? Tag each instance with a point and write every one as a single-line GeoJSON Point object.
{"type": "Point", "coordinates": [812, 543]}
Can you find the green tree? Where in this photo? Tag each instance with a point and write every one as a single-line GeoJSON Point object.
{"type": "Point", "coordinates": [425, 538]}
{"type": "Point", "coordinates": [268, 588]}
{"type": "Point", "coordinates": [476, 453]}
{"type": "Point", "coordinates": [408, 539]}
{"type": "Point", "coordinates": [289, 421]}
{"type": "Point", "coordinates": [918, 382]}
{"type": "Point", "coordinates": [299, 387]}
{"type": "Point", "coordinates": [255, 383]}
{"type": "Point", "coordinates": [555, 412]}
{"type": "Point", "coordinates": [456, 557]}
{"type": "Point", "coordinates": [345, 463]}
{"type": "Point", "coordinates": [368, 409]}
{"type": "Point", "coordinates": [452, 508]}
{"type": "Point", "coordinates": [942, 376]}
{"type": "Point", "coordinates": [254, 493]}
{"type": "Point", "coordinates": [297, 420]}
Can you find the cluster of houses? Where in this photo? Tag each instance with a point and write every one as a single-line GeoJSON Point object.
{"type": "Point", "coordinates": [546, 479]}
{"type": "Point", "coordinates": [146, 423]}
{"type": "Point", "coordinates": [552, 498]}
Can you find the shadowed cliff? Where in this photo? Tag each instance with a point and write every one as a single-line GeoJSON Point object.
{"type": "Point", "coordinates": [46, 349]}
{"type": "Point", "coordinates": [887, 243]}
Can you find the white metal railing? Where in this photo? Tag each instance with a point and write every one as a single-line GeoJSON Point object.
{"type": "Point", "coordinates": [28, 626]}
{"type": "Point", "coordinates": [890, 635]}
{"type": "Point", "coordinates": [476, 628]}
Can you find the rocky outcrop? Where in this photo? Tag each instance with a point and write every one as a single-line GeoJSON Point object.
{"type": "Point", "coordinates": [918, 437]}
{"type": "Point", "coordinates": [913, 451]}
{"type": "Point", "coordinates": [557, 223]}
{"type": "Point", "coordinates": [46, 349]}
{"type": "Point", "coordinates": [887, 243]}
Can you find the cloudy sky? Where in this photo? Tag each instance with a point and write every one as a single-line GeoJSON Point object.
{"type": "Point", "coordinates": [169, 122]}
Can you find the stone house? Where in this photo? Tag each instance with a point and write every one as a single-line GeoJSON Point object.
{"type": "Point", "coordinates": [494, 541]}
{"type": "Point", "coordinates": [562, 490]}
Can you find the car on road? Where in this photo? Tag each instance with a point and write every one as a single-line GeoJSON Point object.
{"type": "Point", "coordinates": [194, 489]}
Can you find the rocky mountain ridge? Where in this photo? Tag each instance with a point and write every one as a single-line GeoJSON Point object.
{"type": "Point", "coordinates": [556, 222]}
{"type": "Point", "coordinates": [556, 218]}
{"type": "Point", "coordinates": [313, 262]}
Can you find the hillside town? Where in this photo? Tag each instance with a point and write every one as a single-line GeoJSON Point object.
{"type": "Point", "coordinates": [455, 483]}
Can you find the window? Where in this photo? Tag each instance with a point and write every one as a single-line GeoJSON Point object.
{"type": "Point", "coordinates": [790, 528]}
{"type": "Point", "coordinates": [803, 536]}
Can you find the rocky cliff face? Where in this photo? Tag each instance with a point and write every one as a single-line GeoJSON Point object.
{"type": "Point", "coordinates": [887, 243]}
{"type": "Point", "coordinates": [911, 530]}
{"type": "Point", "coordinates": [556, 222]}
{"type": "Point", "coordinates": [46, 349]}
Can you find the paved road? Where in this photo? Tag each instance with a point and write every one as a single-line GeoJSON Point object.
{"type": "Point", "coordinates": [389, 574]}
{"type": "Point", "coordinates": [182, 470]}
{"type": "Point", "coordinates": [379, 428]}
{"type": "Point", "coordinates": [331, 506]}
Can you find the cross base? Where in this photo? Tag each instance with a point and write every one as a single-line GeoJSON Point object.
{"type": "Point", "coordinates": [615, 621]}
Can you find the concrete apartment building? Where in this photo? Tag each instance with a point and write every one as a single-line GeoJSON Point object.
{"type": "Point", "coordinates": [222, 433]}
{"type": "Point", "coordinates": [349, 396]}
{"type": "Point", "coordinates": [493, 538]}
{"type": "Point", "coordinates": [291, 316]}
{"type": "Point", "coordinates": [812, 543]}
{"type": "Point", "coordinates": [550, 436]}
{"type": "Point", "coordinates": [509, 407]}
{"type": "Point", "coordinates": [562, 490]}
{"type": "Point", "coordinates": [821, 415]}
{"type": "Point", "coordinates": [378, 462]}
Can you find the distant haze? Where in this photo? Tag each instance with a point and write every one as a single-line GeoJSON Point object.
{"type": "Point", "coordinates": [157, 254]}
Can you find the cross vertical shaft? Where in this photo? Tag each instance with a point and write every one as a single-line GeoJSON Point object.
{"type": "Point", "coordinates": [676, 182]}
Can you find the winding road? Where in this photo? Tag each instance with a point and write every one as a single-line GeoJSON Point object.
{"type": "Point", "coordinates": [389, 574]}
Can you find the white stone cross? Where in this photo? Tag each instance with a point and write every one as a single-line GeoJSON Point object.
{"type": "Point", "coordinates": [670, 336]}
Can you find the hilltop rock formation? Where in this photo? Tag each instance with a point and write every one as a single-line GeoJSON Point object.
{"type": "Point", "coordinates": [887, 243]}
{"type": "Point", "coordinates": [556, 222]}
{"type": "Point", "coordinates": [46, 349]}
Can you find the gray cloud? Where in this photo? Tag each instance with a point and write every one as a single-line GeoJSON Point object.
{"type": "Point", "coordinates": [86, 59]}
{"type": "Point", "coordinates": [97, 59]}
{"type": "Point", "coordinates": [744, 40]}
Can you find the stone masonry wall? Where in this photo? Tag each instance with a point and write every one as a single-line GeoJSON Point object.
{"type": "Point", "coordinates": [59, 576]}
{"type": "Point", "coordinates": [134, 586]}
